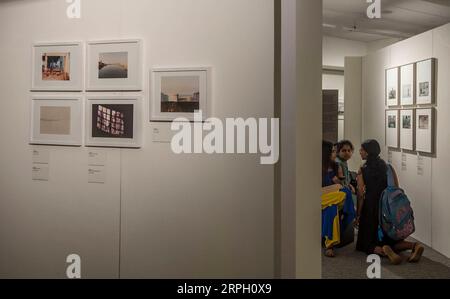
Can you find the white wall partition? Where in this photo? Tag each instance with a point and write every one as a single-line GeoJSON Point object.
{"type": "Point", "coordinates": [424, 177]}
{"type": "Point", "coordinates": [182, 216]}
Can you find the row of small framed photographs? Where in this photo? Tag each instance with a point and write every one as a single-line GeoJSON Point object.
{"type": "Point", "coordinates": [411, 129]}
{"type": "Point", "coordinates": [116, 66]}
{"type": "Point", "coordinates": [109, 121]}
{"type": "Point", "coordinates": [110, 66]}
{"type": "Point", "coordinates": [411, 84]}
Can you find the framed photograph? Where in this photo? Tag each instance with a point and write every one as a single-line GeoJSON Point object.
{"type": "Point", "coordinates": [114, 122]}
{"type": "Point", "coordinates": [392, 128]}
{"type": "Point", "coordinates": [425, 80]}
{"type": "Point", "coordinates": [114, 66]}
{"type": "Point", "coordinates": [392, 82]}
{"type": "Point", "coordinates": [179, 93]}
{"type": "Point", "coordinates": [57, 67]}
{"type": "Point", "coordinates": [425, 130]}
{"type": "Point", "coordinates": [56, 121]}
{"type": "Point", "coordinates": [407, 129]}
{"type": "Point", "coordinates": [407, 90]}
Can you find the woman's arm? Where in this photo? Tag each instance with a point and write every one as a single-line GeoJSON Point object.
{"type": "Point", "coordinates": [396, 181]}
{"type": "Point", "coordinates": [360, 193]}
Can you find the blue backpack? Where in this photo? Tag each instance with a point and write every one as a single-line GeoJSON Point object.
{"type": "Point", "coordinates": [396, 214]}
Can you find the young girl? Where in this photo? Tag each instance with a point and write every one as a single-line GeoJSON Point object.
{"type": "Point", "coordinates": [337, 203]}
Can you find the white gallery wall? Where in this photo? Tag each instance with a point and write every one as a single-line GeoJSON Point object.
{"type": "Point", "coordinates": [158, 215]}
{"type": "Point", "coordinates": [424, 178]}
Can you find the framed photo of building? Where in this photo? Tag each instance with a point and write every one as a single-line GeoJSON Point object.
{"type": "Point", "coordinates": [425, 130]}
{"type": "Point", "coordinates": [392, 83]}
{"type": "Point", "coordinates": [392, 128]}
{"type": "Point", "coordinates": [179, 93]}
{"type": "Point", "coordinates": [114, 122]}
{"type": "Point", "coordinates": [56, 121]}
{"type": "Point", "coordinates": [407, 90]}
{"type": "Point", "coordinates": [425, 82]}
{"type": "Point", "coordinates": [57, 67]}
{"type": "Point", "coordinates": [407, 129]}
{"type": "Point", "coordinates": [114, 66]}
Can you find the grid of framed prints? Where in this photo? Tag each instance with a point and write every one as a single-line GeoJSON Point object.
{"type": "Point", "coordinates": [113, 121]}
{"type": "Point", "coordinates": [109, 121]}
{"type": "Point", "coordinates": [56, 121]}
{"type": "Point", "coordinates": [411, 125]}
{"type": "Point", "coordinates": [177, 93]}
{"type": "Point", "coordinates": [57, 67]}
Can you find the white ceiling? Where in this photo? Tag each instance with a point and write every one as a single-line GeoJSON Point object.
{"type": "Point", "coordinates": [400, 18]}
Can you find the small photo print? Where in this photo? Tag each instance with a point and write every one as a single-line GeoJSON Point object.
{"type": "Point", "coordinates": [424, 89]}
{"type": "Point", "coordinates": [113, 65]}
{"type": "Point", "coordinates": [56, 67]}
{"type": "Point", "coordinates": [180, 94]}
{"type": "Point", "coordinates": [406, 122]}
{"type": "Point", "coordinates": [407, 91]}
{"type": "Point", "coordinates": [55, 120]}
{"type": "Point", "coordinates": [392, 122]}
{"type": "Point", "coordinates": [112, 121]}
{"type": "Point", "coordinates": [424, 122]}
{"type": "Point", "coordinates": [392, 93]}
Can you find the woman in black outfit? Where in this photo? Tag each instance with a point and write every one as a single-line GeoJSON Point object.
{"type": "Point", "coordinates": [372, 181]}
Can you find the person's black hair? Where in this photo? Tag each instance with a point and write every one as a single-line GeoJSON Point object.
{"type": "Point", "coordinates": [327, 151]}
{"type": "Point", "coordinates": [374, 164]}
{"type": "Point", "coordinates": [342, 143]}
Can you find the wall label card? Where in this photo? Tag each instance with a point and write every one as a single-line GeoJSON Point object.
{"type": "Point", "coordinates": [40, 172]}
{"type": "Point", "coordinates": [97, 158]}
{"type": "Point", "coordinates": [41, 156]}
{"type": "Point", "coordinates": [96, 174]}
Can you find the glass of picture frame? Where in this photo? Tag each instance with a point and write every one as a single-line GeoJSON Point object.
{"type": "Point", "coordinates": [177, 93]}
{"type": "Point", "coordinates": [392, 128]}
{"type": "Point", "coordinates": [425, 81]}
{"type": "Point", "coordinates": [114, 121]}
{"type": "Point", "coordinates": [392, 83]}
{"type": "Point", "coordinates": [407, 129]}
{"type": "Point", "coordinates": [56, 120]}
{"type": "Point", "coordinates": [425, 130]}
{"type": "Point", "coordinates": [57, 67]}
{"type": "Point", "coordinates": [114, 65]}
{"type": "Point", "coordinates": [407, 90]}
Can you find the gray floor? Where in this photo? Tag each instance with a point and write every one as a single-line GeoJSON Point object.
{"type": "Point", "coordinates": [350, 264]}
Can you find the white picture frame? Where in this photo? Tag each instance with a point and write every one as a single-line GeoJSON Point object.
{"type": "Point", "coordinates": [425, 130]}
{"type": "Point", "coordinates": [57, 66]}
{"type": "Point", "coordinates": [392, 128]}
{"type": "Point", "coordinates": [114, 65]}
{"type": "Point", "coordinates": [122, 120]}
{"type": "Point", "coordinates": [392, 87]}
{"type": "Point", "coordinates": [173, 82]}
{"type": "Point", "coordinates": [407, 128]}
{"type": "Point", "coordinates": [425, 82]}
{"type": "Point", "coordinates": [56, 120]}
{"type": "Point", "coordinates": [407, 87]}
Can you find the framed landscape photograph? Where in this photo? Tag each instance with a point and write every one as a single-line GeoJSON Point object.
{"type": "Point", "coordinates": [407, 129]}
{"type": "Point", "coordinates": [392, 82]}
{"type": "Point", "coordinates": [56, 121]}
{"type": "Point", "coordinates": [392, 128]}
{"type": "Point", "coordinates": [114, 66]}
{"type": "Point", "coordinates": [114, 122]}
{"type": "Point", "coordinates": [179, 93]}
{"type": "Point", "coordinates": [425, 130]}
{"type": "Point", "coordinates": [425, 80]}
{"type": "Point", "coordinates": [407, 90]}
{"type": "Point", "coordinates": [57, 67]}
